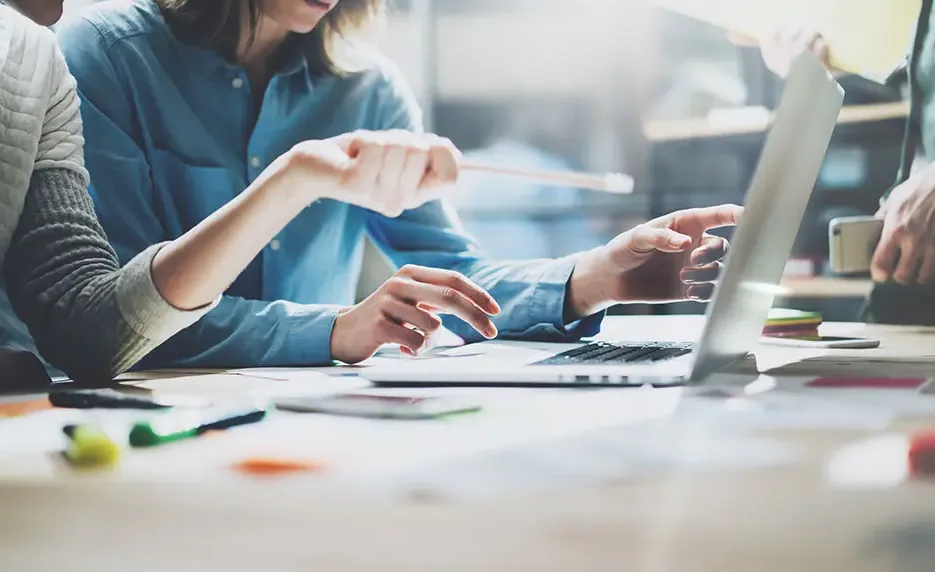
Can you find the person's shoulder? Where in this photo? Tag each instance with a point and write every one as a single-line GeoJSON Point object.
{"type": "Point", "coordinates": [32, 47]}
{"type": "Point", "coordinates": [380, 83]}
{"type": "Point", "coordinates": [110, 23]}
{"type": "Point", "coordinates": [383, 76]}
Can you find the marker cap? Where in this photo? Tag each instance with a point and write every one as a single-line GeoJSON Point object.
{"type": "Point", "coordinates": [922, 455]}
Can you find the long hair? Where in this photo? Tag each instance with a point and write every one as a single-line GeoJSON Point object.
{"type": "Point", "coordinates": [218, 24]}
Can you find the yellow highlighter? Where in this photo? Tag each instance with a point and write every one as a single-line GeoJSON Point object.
{"type": "Point", "coordinates": [90, 447]}
{"type": "Point", "coordinates": [870, 38]}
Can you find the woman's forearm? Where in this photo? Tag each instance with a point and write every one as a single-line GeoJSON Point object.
{"type": "Point", "coordinates": [193, 270]}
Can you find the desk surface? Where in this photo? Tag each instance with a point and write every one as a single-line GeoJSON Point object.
{"type": "Point", "coordinates": [657, 510]}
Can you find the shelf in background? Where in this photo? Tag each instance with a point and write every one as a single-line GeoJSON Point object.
{"type": "Point", "coordinates": [699, 128]}
{"type": "Point", "coordinates": [825, 287]}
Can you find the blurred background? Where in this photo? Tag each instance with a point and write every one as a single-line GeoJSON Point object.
{"type": "Point", "coordinates": [620, 86]}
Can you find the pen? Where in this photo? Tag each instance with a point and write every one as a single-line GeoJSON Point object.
{"type": "Point", "coordinates": [109, 399]}
{"type": "Point", "coordinates": [616, 183]}
{"type": "Point", "coordinates": [183, 424]}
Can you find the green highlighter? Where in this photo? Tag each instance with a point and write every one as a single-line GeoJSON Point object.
{"type": "Point", "coordinates": [186, 423]}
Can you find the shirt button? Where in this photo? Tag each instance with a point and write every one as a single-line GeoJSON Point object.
{"type": "Point", "coordinates": [255, 162]}
{"type": "Point", "coordinates": [237, 82]}
{"type": "Point", "coordinates": [274, 245]}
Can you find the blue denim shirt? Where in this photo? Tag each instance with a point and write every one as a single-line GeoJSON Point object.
{"type": "Point", "coordinates": [172, 135]}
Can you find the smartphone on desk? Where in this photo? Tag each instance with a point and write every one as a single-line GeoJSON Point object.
{"type": "Point", "coordinates": [823, 342]}
{"type": "Point", "coordinates": [851, 243]}
{"type": "Point", "coordinates": [380, 406]}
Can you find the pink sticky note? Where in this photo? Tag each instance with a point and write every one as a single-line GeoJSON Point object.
{"type": "Point", "coordinates": [867, 382]}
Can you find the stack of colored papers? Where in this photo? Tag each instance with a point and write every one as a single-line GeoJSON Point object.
{"type": "Point", "coordinates": [784, 323]}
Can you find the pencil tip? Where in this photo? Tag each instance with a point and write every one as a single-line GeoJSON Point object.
{"type": "Point", "coordinates": [618, 183]}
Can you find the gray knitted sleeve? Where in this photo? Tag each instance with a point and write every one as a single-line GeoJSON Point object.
{"type": "Point", "coordinates": [88, 317]}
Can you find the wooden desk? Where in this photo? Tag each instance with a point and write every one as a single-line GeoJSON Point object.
{"type": "Point", "coordinates": [776, 519]}
{"type": "Point", "coordinates": [698, 128]}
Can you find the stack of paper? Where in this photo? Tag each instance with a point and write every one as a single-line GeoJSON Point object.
{"type": "Point", "coordinates": [866, 37]}
{"type": "Point", "coordinates": [783, 323]}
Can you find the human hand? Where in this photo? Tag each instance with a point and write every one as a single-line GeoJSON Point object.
{"type": "Point", "coordinates": [906, 251]}
{"type": "Point", "coordinates": [667, 259]}
{"type": "Point", "coordinates": [781, 48]}
{"type": "Point", "coordinates": [384, 171]}
{"type": "Point", "coordinates": [404, 311]}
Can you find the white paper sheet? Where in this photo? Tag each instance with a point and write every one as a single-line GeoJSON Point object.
{"type": "Point", "coordinates": [778, 410]}
{"type": "Point", "coordinates": [607, 455]}
{"type": "Point", "coordinates": [880, 462]}
{"type": "Point", "coordinates": [38, 432]}
{"type": "Point", "coordinates": [259, 384]}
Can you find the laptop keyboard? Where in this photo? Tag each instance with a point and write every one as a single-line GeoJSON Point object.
{"type": "Point", "coordinates": [607, 353]}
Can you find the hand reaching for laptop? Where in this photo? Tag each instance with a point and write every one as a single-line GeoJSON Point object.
{"type": "Point", "coordinates": [668, 259]}
{"type": "Point", "coordinates": [404, 311]}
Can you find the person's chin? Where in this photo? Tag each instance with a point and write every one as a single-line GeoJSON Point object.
{"type": "Point", "coordinates": [307, 25]}
{"type": "Point", "coordinates": [48, 14]}
{"type": "Point", "coordinates": [50, 19]}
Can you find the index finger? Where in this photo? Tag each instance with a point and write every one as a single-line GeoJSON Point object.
{"type": "Point", "coordinates": [820, 49]}
{"type": "Point", "coordinates": [884, 259]}
{"type": "Point", "coordinates": [455, 281]}
{"type": "Point", "coordinates": [443, 168]}
{"type": "Point", "coordinates": [717, 217]}
{"type": "Point", "coordinates": [448, 300]}
{"type": "Point", "coordinates": [910, 259]}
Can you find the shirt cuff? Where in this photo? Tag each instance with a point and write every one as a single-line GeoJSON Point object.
{"type": "Point", "coordinates": [144, 308]}
{"type": "Point", "coordinates": [547, 306]}
{"type": "Point", "coordinates": [309, 334]}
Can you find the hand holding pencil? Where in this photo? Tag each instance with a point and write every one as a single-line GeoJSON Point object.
{"type": "Point", "coordinates": [393, 171]}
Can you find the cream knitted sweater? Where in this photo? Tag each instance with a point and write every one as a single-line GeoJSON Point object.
{"type": "Point", "coordinates": [87, 316]}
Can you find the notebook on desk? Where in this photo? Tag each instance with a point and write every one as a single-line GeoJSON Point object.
{"type": "Point", "coordinates": [778, 194]}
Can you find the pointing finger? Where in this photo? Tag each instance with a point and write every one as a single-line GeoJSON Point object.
{"type": "Point", "coordinates": [646, 239]}
{"type": "Point", "coordinates": [884, 259]}
{"type": "Point", "coordinates": [718, 216]}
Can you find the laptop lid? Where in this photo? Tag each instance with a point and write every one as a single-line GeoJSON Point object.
{"type": "Point", "coordinates": [792, 155]}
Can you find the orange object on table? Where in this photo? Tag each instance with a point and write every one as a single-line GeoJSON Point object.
{"type": "Point", "coordinates": [922, 455]}
{"type": "Point", "coordinates": [17, 408]}
{"type": "Point", "coordinates": [274, 466]}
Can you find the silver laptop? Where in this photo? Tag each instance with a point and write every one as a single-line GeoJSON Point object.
{"type": "Point", "coordinates": [792, 155]}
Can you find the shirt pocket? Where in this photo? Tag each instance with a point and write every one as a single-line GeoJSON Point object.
{"type": "Point", "coordinates": [188, 193]}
